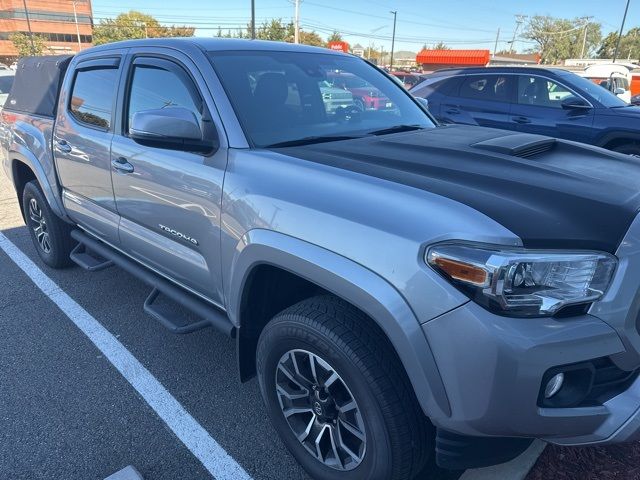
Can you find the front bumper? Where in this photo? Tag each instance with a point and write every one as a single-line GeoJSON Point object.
{"type": "Point", "coordinates": [493, 367]}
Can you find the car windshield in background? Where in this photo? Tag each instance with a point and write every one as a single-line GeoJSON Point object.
{"type": "Point", "coordinates": [289, 98]}
{"type": "Point", "coordinates": [602, 95]}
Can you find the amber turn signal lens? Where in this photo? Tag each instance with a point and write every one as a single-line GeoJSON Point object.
{"type": "Point", "coordinates": [464, 272]}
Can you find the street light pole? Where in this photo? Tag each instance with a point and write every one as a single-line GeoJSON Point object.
{"type": "Point", "coordinates": [26, 14]}
{"type": "Point", "coordinates": [253, 19]}
{"type": "Point", "coordinates": [75, 18]}
{"type": "Point", "coordinates": [393, 39]}
{"type": "Point", "coordinates": [624, 18]}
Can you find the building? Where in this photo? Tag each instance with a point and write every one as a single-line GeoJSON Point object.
{"type": "Point", "coordinates": [432, 60]}
{"type": "Point", "coordinates": [54, 20]}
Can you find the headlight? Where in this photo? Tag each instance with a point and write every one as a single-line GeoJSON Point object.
{"type": "Point", "coordinates": [520, 282]}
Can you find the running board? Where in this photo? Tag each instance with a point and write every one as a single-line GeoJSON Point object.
{"type": "Point", "coordinates": [83, 257]}
{"type": "Point", "coordinates": [210, 314]}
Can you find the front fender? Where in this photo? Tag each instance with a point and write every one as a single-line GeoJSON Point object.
{"type": "Point", "coordinates": [355, 284]}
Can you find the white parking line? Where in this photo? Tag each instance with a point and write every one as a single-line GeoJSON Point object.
{"type": "Point", "coordinates": [214, 458]}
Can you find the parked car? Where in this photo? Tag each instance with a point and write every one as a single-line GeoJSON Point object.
{"type": "Point", "coordinates": [6, 82]}
{"type": "Point", "coordinates": [546, 101]}
{"type": "Point", "coordinates": [335, 99]}
{"type": "Point", "coordinates": [615, 77]}
{"type": "Point", "coordinates": [409, 80]}
{"type": "Point", "coordinates": [365, 95]}
{"type": "Point", "coordinates": [400, 289]}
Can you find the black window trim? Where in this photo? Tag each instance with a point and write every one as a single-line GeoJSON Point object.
{"type": "Point", "coordinates": [100, 63]}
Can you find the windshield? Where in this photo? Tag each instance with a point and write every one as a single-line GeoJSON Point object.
{"type": "Point", "coordinates": [285, 97]}
{"type": "Point", "coordinates": [602, 95]}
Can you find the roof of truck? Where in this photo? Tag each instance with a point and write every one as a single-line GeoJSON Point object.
{"type": "Point", "coordinates": [215, 44]}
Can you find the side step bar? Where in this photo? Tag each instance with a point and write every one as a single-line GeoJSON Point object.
{"type": "Point", "coordinates": [211, 316]}
{"type": "Point", "coordinates": [82, 256]}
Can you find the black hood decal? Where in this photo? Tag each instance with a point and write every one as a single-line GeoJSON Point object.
{"type": "Point", "coordinates": [563, 196]}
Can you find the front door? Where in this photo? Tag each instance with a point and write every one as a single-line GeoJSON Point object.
{"type": "Point", "coordinates": [538, 109]}
{"type": "Point", "coordinates": [169, 198]}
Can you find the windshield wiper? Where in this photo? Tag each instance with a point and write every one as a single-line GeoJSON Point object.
{"type": "Point", "coordinates": [311, 140]}
{"type": "Point", "coordinates": [396, 129]}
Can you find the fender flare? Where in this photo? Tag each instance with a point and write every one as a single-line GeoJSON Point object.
{"type": "Point", "coordinates": [618, 135]}
{"type": "Point", "coordinates": [23, 155]}
{"type": "Point", "coordinates": [354, 283]}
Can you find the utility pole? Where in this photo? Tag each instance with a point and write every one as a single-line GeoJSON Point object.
{"type": "Point", "coordinates": [393, 39]}
{"type": "Point", "coordinates": [519, 21]}
{"type": "Point", "coordinates": [75, 18]}
{"type": "Point", "coordinates": [26, 14]}
{"type": "Point", "coordinates": [253, 19]}
{"type": "Point", "coordinates": [495, 47]}
{"type": "Point", "coordinates": [624, 18]}
{"type": "Point", "coordinates": [296, 34]}
{"type": "Point", "coordinates": [584, 38]}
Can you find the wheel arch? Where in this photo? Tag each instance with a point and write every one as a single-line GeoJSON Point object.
{"type": "Point", "coordinates": [320, 270]}
{"type": "Point", "coordinates": [616, 139]}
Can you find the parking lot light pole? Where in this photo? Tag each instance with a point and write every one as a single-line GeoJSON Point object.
{"type": "Point", "coordinates": [26, 14]}
{"type": "Point", "coordinates": [75, 18]}
{"type": "Point", "coordinates": [393, 39]}
{"type": "Point", "coordinates": [624, 18]}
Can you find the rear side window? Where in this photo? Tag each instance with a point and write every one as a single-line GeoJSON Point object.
{"type": "Point", "coordinates": [495, 88]}
{"type": "Point", "coordinates": [445, 86]}
{"type": "Point", "coordinates": [92, 96]}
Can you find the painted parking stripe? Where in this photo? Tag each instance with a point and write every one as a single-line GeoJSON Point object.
{"type": "Point", "coordinates": [214, 458]}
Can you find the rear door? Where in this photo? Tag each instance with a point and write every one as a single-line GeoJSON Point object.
{"type": "Point", "coordinates": [482, 99]}
{"type": "Point", "coordinates": [538, 109]}
{"type": "Point", "coordinates": [437, 91]}
{"type": "Point", "coordinates": [82, 142]}
{"type": "Point", "coordinates": [170, 199]}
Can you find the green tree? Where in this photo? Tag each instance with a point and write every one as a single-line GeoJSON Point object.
{"type": "Point", "coordinates": [629, 45]}
{"type": "Point", "coordinates": [441, 46]}
{"type": "Point", "coordinates": [557, 39]}
{"type": "Point", "coordinates": [134, 24]}
{"type": "Point", "coordinates": [311, 38]}
{"type": "Point", "coordinates": [335, 37]}
{"type": "Point", "coordinates": [28, 46]}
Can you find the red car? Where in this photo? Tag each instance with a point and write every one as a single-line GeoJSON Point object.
{"type": "Point", "coordinates": [365, 95]}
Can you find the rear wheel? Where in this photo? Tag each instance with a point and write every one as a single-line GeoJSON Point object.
{"type": "Point", "coordinates": [51, 236]}
{"type": "Point", "coordinates": [338, 395]}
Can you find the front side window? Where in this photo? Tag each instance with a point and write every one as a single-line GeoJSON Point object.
{"type": "Point", "coordinates": [156, 88]}
{"type": "Point", "coordinates": [541, 92]}
{"type": "Point", "coordinates": [494, 88]}
{"type": "Point", "coordinates": [282, 97]}
{"type": "Point", "coordinates": [92, 96]}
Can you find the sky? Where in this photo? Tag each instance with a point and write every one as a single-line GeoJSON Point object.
{"type": "Point", "coordinates": [458, 23]}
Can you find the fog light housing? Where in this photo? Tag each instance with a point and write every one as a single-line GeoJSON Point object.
{"type": "Point", "coordinates": [554, 385]}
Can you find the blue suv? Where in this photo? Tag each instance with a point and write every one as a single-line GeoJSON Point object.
{"type": "Point", "coordinates": [546, 101]}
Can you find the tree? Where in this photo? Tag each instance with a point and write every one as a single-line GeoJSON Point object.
{"type": "Point", "coordinates": [28, 46]}
{"type": "Point", "coordinates": [335, 37]}
{"type": "Point", "coordinates": [629, 45]}
{"type": "Point", "coordinates": [311, 38]}
{"type": "Point", "coordinates": [134, 24]}
{"type": "Point", "coordinates": [441, 46]}
{"type": "Point", "coordinates": [557, 39]}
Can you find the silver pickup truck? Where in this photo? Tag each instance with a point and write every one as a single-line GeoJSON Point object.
{"type": "Point", "coordinates": [400, 289]}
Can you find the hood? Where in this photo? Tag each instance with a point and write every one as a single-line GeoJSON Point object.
{"type": "Point", "coordinates": [551, 193]}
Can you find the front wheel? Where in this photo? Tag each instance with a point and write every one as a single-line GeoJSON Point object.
{"type": "Point", "coordinates": [338, 395]}
{"type": "Point", "coordinates": [628, 148]}
{"type": "Point", "coordinates": [51, 235]}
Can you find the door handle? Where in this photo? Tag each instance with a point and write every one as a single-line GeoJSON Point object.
{"type": "Point", "coordinates": [521, 120]}
{"type": "Point", "coordinates": [122, 165]}
{"type": "Point", "coordinates": [63, 146]}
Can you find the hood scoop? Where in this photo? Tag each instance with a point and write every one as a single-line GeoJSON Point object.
{"type": "Point", "coordinates": [521, 145]}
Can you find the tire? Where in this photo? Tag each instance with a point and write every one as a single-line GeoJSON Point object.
{"type": "Point", "coordinates": [628, 148]}
{"type": "Point", "coordinates": [51, 235]}
{"type": "Point", "coordinates": [371, 393]}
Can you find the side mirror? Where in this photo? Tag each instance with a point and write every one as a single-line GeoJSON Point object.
{"type": "Point", "coordinates": [619, 91]}
{"type": "Point", "coordinates": [173, 127]}
{"type": "Point", "coordinates": [423, 101]}
{"type": "Point", "coordinates": [575, 103]}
